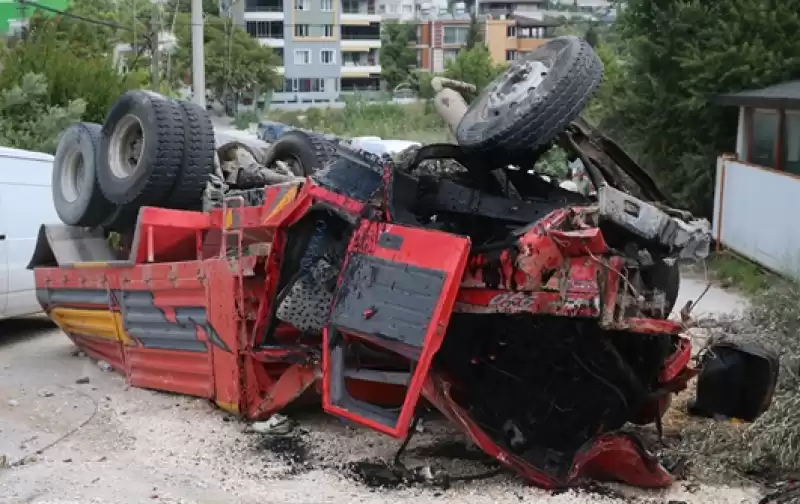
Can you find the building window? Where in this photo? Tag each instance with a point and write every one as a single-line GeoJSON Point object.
{"type": "Point", "coordinates": [393, 8]}
{"type": "Point", "coordinates": [407, 9]}
{"type": "Point", "coordinates": [531, 32]}
{"type": "Point", "coordinates": [455, 34]}
{"type": "Point", "coordinates": [302, 57]}
{"type": "Point", "coordinates": [511, 55]}
{"type": "Point", "coordinates": [303, 85]}
{"type": "Point", "coordinates": [419, 58]}
{"type": "Point", "coordinates": [763, 137]}
{"type": "Point", "coordinates": [419, 34]}
{"type": "Point", "coordinates": [326, 5]}
{"type": "Point", "coordinates": [327, 30]}
{"type": "Point", "coordinates": [511, 31]}
{"type": "Point", "coordinates": [310, 85]}
{"type": "Point", "coordinates": [327, 56]}
{"type": "Point", "coordinates": [449, 55]}
{"type": "Point", "coordinates": [382, 8]}
{"type": "Point", "coordinates": [265, 29]}
{"type": "Point", "coordinates": [301, 30]}
{"type": "Point", "coordinates": [792, 142]}
{"type": "Point", "coordinates": [302, 5]}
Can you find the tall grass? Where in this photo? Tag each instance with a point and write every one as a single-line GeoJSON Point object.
{"type": "Point", "coordinates": [418, 122]}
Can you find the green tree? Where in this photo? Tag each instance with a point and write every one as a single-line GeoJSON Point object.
{"type": "Point", "coordinates": [473, 33]}
{"type": "Point", "coordinates": [69, 72]}
{"type": "Point", "coordinates": [235, 61]}
{"type": "Point", "coordinates": [474, 66]}
{"type": "Point", "coordinates": [679, 53]}
{"type": "Point", "coordinates": [29, 121]}
{"type": "Point", "coordinates": [398, 58]}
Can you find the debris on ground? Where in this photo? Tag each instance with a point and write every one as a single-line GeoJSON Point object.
{"type": "Point", "coordinates": [104, 366]}
{"type": "Point", "coordinates": [276, 424]}
{"type": "Point", "coordinates": [82, 380]}
{"type": "Point", "coordinates": [768, 449]}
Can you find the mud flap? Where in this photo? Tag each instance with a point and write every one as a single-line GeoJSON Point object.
{"type": "Point", "coordinates": [396, 292]}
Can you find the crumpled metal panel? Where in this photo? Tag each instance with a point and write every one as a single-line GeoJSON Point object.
{"type": "Point", "coordinates": [692, 240]}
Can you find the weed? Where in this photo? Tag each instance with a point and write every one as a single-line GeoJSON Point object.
{"type": "Point", "coordinates": [418, 122]}
{"type": "Point", "coordinates": [732, 270]}
{"type": "Point", "coordinates": [245, 119]}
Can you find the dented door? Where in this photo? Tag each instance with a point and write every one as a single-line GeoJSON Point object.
{"type": "Point", "coordinates": [396, 292]}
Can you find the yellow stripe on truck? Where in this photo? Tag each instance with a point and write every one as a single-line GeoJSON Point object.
{"type": "Point", "coordinates": [103, 324]}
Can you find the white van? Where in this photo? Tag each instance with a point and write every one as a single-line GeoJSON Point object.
{"type": "Point", "coordinates": [26, 202]}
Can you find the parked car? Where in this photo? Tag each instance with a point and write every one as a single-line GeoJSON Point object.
{"type": "Point", "coordinates": [25, 203]}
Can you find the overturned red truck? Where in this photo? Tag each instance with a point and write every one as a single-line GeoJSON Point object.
{"type": "Point", "coordinates": [534, 318]}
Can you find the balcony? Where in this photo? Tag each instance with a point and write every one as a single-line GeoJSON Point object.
{"type": "Point", "coordinates": [367, 36]}
{"type": "Point", "coordinates": [263, 10]}
{"type": "Point", "coordinates": [359, 13]}
{"type": "Point", "coordinates": [360, 64]}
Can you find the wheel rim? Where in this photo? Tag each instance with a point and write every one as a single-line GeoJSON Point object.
{"type": "Point", "coordinates": [517, 85]}
{"type": "Point", "coordinates": [125, 147]}
{"type": "Point", "coordinates": [72, 173]}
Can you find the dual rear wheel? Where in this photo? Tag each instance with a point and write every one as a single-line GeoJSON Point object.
{"type": "Point", "coordinates": [151, 151]}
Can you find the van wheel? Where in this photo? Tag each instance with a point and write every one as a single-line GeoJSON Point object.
{"type": "Point", "coordinates": [534, 100]}
{"type": "Point", "coordinates": [305, 153]}
{"type": "Point", "coordinates": [198, 158]}
{"type": "Point", "coordinates": [142, 149]}
{"type": "Point", "coordinates": [76, 195]}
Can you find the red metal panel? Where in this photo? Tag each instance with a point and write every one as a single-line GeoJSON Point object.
{"type": "Point", "coordinates": [231, 386]}
{"type": "Point", "coordinates": [171, 370]}
{"type": "Point", "coordinates": [414, 247]}
{"type": "Point", "coordinates": [101, 349]}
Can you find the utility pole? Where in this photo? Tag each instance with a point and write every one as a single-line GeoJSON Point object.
{"type": "Point", "coordinates": [23, 30]}
{"type": "Point", "coordinates": [198, 57]}
{"type": "Point", "coordinates": [155, 57]}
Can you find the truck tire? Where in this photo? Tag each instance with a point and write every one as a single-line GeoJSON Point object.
{"type": "Point", "coordinates": [142, 149]}
{"type": "Point", "coordinates": [533, 101]}
{"type": "Point", "coordinates": [77, 198]}
{"type": "Point", "coordinates": [304, 152]}
{"type": "Point", "coordinates": [198, 158]}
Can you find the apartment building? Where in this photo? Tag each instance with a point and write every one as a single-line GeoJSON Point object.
{"type": "Point", "coordinates": [499, 8]}
{"type": "Point", "coordinates": [409, 10]}
{"type": "Point", "coordinates": [326, 46]}
{"type": "Point", "coordinates": [509, 38]}
{"type": "Point", "coordinates": [439, 40]}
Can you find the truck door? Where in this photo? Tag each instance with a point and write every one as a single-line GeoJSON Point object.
{"type": "Point", "coordinates": [3, 256]}
{"type": "Point", "coordinates": [396, 293]}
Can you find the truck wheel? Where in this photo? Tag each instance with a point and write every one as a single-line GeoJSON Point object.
{"type": "Point", "coordinates": [534, 100]}
{"type": "Point", "coordinates": [142, 149]}
{"type": "Point", "coordinates": [305, 153]}
{"type": "Point", "coordinates": [198, 158]}
{"type": "Point", "coordinates": [76, 196]}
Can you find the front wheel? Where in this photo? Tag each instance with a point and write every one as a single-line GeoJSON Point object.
{"type": "Point", "coordinates": [534, 100]}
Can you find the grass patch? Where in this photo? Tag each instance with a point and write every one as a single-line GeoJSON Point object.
{"type": "Point", "coordinates": [418, 122]}
{"type": "Point", "coordinates": [731, 270]}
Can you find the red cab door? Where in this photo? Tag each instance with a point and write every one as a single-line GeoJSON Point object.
{"type": "Point", "coordinates": [396, 293]}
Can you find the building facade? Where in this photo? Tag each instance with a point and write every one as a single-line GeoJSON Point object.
{"type": "Point", "coordinates": [327, 47]}
{"type": "Point", "coordinates": [438, 41]}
